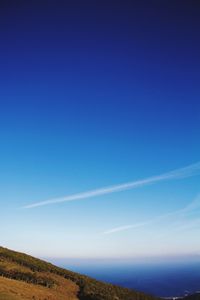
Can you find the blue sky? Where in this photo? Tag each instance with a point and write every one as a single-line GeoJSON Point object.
{"type": "Point", "coordinates": [94, 95]}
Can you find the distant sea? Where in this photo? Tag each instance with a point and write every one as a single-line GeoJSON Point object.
{"type": "Point", "coordinates": [159, 279]}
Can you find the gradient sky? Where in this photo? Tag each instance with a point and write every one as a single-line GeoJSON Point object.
{"type": "Point", "coordinates": [95, 94]}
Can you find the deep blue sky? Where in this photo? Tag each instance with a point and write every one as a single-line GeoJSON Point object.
{"type": "Point", "coordinates": [96, 93]}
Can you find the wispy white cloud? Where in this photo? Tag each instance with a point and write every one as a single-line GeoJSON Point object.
{"type": "Point", "coordinates": [193, 224]}
{"type": "Point", "coordinates": [178, 214]}
{"type": "Point", "coordinates": [125, 227]}
{"type": "Point", "coordinates": [185, 172]}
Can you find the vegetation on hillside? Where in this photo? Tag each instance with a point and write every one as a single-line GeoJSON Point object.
{"type": "Point", "coordinates": [22, 267]}
{"type": "Point", "coordinates": [195, 296]}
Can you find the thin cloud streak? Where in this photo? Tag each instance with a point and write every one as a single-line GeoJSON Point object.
{"type": "Point", "coordinates": [125, 227]}
{"type": "Point", "coordinates": [185, 172]}
{"type": "Point", "coordinates": [192, 206]}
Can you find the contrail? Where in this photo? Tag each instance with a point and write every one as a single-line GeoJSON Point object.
{"type": "Point", "coordinates": [191, 207]}
{"type": "Point", "coordinates": [126, 227]}
{"type": "Point", "coordinates": [185, 172]}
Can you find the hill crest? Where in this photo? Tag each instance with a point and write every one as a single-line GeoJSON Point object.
{"type": "Point", "coordinates": [24, 277]}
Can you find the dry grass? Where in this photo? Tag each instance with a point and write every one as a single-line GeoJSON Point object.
{"type": "Point", "coordinates": [29, 278]}
{"type": "Point", "coordinates": [8, 266]}
{"type": "Point", "coordinates": [17, 290]}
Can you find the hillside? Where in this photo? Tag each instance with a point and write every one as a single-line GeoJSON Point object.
{"type": "Point", "coordinates": [195, 296]}
{"type": "Point", "coordinates": [24, 277]}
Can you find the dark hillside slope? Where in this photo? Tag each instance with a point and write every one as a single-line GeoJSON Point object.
{"type": "Point", "coordinates": [50, 282]}
{"type": "Point", "coordinates": [195, 296]}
